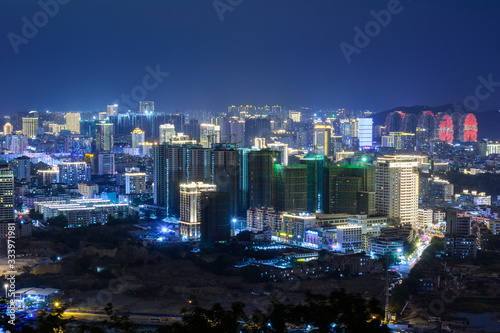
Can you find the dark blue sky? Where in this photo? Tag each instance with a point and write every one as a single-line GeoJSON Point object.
{"type": "Point", "coordinates": [264, 52]}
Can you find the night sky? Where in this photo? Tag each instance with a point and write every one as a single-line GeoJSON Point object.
{"type": "Point", "coordinates": [282, 52]}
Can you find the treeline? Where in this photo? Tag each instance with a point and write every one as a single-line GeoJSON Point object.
{"type": "Point", "coordinates": [483, 182]}
{"type": "Point", "coordinates": [337, 312]}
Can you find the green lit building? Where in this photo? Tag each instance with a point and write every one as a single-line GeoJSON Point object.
{"type": "Point", "coordinates": [290, 187]}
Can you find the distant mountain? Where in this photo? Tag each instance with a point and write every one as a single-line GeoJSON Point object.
{"type": "Point", "coordinates": [488, 121]}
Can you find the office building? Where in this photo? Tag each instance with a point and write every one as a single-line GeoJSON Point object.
{"type": "Point", "coordinates": [74, 172]}
{"type": "Point", "coordinates": [138, 137]}
{"type": "Point", "coordinates": [399, 141]}
{"type": "Point", "coordinates": [256, 128]}
{"type": "Point", "coordinates": [396, 187]}
{"type": "Point", "coordinates": [30, 127]}
{"type": "Point", "coordinates": [215, 213]}
{"type": "Point", "coordinates": [167, 133]}
{"type": "Point", "coordinates": [295, 116]}
{"type": "Point", "coordinates": [87, 127]}
{"type": "Point", "coordinates": [425, 217]}
{"type": "Point", "coordinates": [365, 133]}
{"type": "Point", "coordinates": [290, 187]}
{"type": "Point", "coordinates": [146, 107]}
{"type": "Point", "coordinates": [349, 238]}
{"type": "Point", "coordinates": [459, 241]}
{"type": "Point", "coordinates": [104, 137]}
{"type": "Point", "coordinates": [191, 203]}
{"type": "Point", "coordinates": [73, 122]}
{"type": "Point", "coordinates": [110, 111]}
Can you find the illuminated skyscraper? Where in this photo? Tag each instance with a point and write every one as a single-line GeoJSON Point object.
{"type": "Point", "coordinates": [111, 110]}
{"type": "Point", "coordinates": [167, 132]}
{"type": "Point", "coordinates": [146, 107]}
{"type": "Point", "coordinates": [135, 182]}
{"type": "Point", "coordinates": [7, 129]}
{"type": "Point", "coordinates": [73, 122]}
{"type": "Point", "coordinates": [365, 132]}
{"type": "Point", "coordinates": [138, 137]}
{"type": "Point", "coordinates": [6, 199]}
{"type": "Point", "coordinates": [106, 164]}
{"type": "Point", "coordinates": [191, 204]}
{"type": "Point", "coordinates": [396, 187]}
{"type": "Point", "coordinates": [30, 127]}
{"type": "Point", "coordinates": [209, 135]}
{"type": "Point", "coordinates": [322, 139]}
{"type": "Point", "coordinates": [104, 137]}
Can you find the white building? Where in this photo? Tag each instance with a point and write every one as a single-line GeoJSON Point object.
{"type": "Point", "coordinates": [282, 148]}
{"type": "Point", "coordinates": [135, 182]}
{"type": "Point", "coordinates": [349, 238]}
{"type": "Point", "coordinates": [396, 187]}
{"type": "Point", "coordinates": [425, 217]}
{"type": "Point", "coordinates": [365, 133]}
{"type": "Point", "coordinates": [167, 133]}
{"type": "Point", "coordinates": [190, 208]}
{"type": "Point", "coordinates": [209, 134]}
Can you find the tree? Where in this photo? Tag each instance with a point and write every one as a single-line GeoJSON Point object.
{"type": "Point", "coordinates": [59, 221]}
{"type": "Point", "coordinates": [52, 321]}
{"type": "Point", "coordinates": [35, 215]}
{"type": "Point", "coordinates": [119, 322]}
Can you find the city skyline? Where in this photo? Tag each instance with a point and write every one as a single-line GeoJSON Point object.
{"type": "Point", "coordinates": [199, 56]}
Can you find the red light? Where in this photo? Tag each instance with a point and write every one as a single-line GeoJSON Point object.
{"type": "Point", "coordinates": [446, 129]}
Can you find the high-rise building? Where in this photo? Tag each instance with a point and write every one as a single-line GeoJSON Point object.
{"type": "Point", "coordinates": [74, 172]}
{"type": "Point", "coordinates": [167, 132]}
{"type": "Point", "coordinates": [349, 189]}
{"type": "Point", "coordinates": [295, 116]}
{"type": "Point", "coordinates": [191, 204]}
{"type": "Point", "coordinates": [209, 135]}
{"type": "Point", "coordinates": [111, 110]}
{"type": "Point", "coordinates": [176, 164]}
{"type": "Point", "coordinates": [260, 167]}
{"type": "Point", "coordinates": [73, 122]}
{"type": "Point", "coordinates": [399, 141]}
{"type": "Point", "coordinates": [30, 127]}
{"type": "Point", "coordinates": [282, 148]}
{"type": "Point", "coordinates": [6, 194]}
{"type": "Point", "coordinates": [315, 181]}
{"type": "Point", "coordinates": [365, 133]}
{"type": "Point", "coordinates": [225, 170]}
{"type": "Point", "coordinates": [135, 182]}
{"type": "Point", "coordinates": [146, 107]}
{"type": "Point", "coordinates": [6, 199]}
{"type": "Point", "coordinates": [256, 128]}
{"type": "Point", "coordinates": [7, 129]}
{"type": "Point", "coordinates": [47, 177]}
{"type": "Point", "coordinates": [88, 191]}
{"type": "Point", "coordinates": [87, 127]}
{"type": "Point", "coordinates": [106, 164]}
{"type": "Point", "coordinates": [459, 242]}
{"type": "Point", "coordinates": [215, 218]}
{"type": "Point", "coordinates": [138, 137]}
{"type": "Point", "coordinates": [104, 137]}
{"type": "Point", "coordinates": [18, 144]}
{"type": "Point", "coordinates": [22, 168]}
{"type": "Point", "coordinates": [322, 139]}
{"type": "Point", "coordinates": [396, 187]}
{"type": "Point", "coordinates": [290, 187]}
